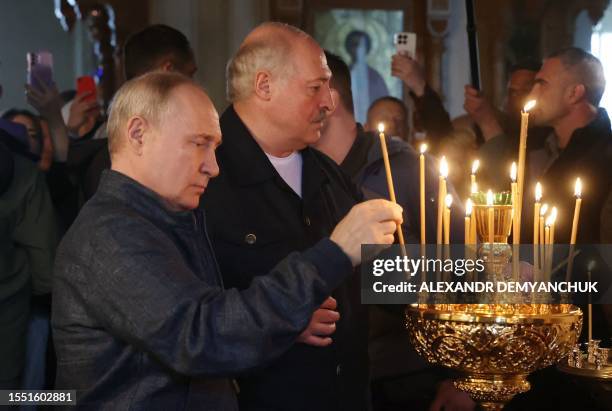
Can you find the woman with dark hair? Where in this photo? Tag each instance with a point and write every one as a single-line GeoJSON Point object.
{"type": "Point", "coordinates": [39, 139]}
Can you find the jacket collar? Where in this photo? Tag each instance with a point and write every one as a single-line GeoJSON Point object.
{"type": "Point", "coordinates": [583, 139]}
{"type": "Point", "coordinates": [142, 199]}
{"type": "Point", "coordinates": [240, 156]}
{"type": "Point", "coordinates": [246, 163]}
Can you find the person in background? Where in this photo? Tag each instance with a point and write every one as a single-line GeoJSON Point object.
{"type": "Point", "coordinates": [156, 47]}
{"type": "Point", "coordinates": [400, 377]}
{"type": "Point", "coordinates": [391, 112]}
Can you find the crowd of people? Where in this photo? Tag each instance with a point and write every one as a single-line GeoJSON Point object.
{"type": "Point", "coordinates": [160, 256]}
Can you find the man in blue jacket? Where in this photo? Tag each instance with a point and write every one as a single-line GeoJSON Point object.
{"type": "Point", "coordinates": [141, 320]}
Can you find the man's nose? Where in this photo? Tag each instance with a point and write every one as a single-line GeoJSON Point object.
{"type": "Point", "coordinates": [327, 101]}
{"type": "Point", "coordinates": [210, 166]}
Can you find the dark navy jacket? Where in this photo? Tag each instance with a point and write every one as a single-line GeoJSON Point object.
{"type": "Point", "coordinates": [140, 318]}
{"type": "Point", "coordinates": [256, 220]}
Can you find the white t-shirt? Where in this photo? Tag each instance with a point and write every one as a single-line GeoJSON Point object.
{"type": "Point", "coordinates": [290, 169]}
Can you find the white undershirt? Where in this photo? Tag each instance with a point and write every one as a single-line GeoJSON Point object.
{"type": "Point", "coordinates": [290, 169]}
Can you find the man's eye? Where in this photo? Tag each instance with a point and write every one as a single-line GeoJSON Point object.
{"type": "Point", "coordinates": [315, 88]}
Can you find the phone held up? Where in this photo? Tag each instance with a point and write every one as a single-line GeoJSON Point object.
{"type": "Point", "coordinates": [40, 69]}
{"type": "Point", "coordinates": [405, 43]}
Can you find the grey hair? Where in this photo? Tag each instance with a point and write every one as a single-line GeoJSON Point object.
{"type": "Point", "coordinates": [587, 69]}
{"type": "Point", "coordinates": [268, 53]}
{"type": "Point", "coordinates": [147, 96]}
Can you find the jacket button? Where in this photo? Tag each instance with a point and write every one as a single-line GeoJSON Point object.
{"type": "Point", "coordinates": [338, 369]}
{"type": "Point", "coordinates": [307, 221]}
{"type": "Point", "coordinates": [250, 238]}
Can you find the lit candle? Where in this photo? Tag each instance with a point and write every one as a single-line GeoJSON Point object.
{"type": "Point", "coordinates": [515, 230]}
{"type": "Point", "coordinates": [422, 190]}
{"type": "Point", "coordinates": [448, 201]}
{"type": "Point", "coordinates": [468, 227]}
{"type": "Point", "coordinates": [441, 197]}
{"type": "Point", "coordinates": [475, 166]}
{"type": "Point", "coordinates": [491, 224]}
{"type": "Point", "coordinates": [577, 193]}
{"type": "Point", "coordinates": [383, 144]}
{"type": "Point", "coordinates": [522, 154]}
{"type": "Point", "coordinates": [536, 212]}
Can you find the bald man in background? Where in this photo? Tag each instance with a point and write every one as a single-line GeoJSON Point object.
{"type": "Point", "coordinates": [275, 196]}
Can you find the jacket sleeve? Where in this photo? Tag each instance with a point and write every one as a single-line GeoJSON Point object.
{"type": "Point", "coordinates": [37, 233]}
{"type": "Point", "coordinates": [141, 290]}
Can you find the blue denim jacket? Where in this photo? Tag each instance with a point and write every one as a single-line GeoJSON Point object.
{"type": "Point", "coordinates": [140, 317]}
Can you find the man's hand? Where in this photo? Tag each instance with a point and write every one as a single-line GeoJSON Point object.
{"type": "Point", "coordinates": [482, 113]}
{"type": "Point", "coordinates": [449, 398]}
{"type": "Point", "coordinates": [322, 324]}
{"type": "Point", "coordinates": [410, 72]}
{"type": "Point", "coordinates": [80, 109]}
{"type": "Point", "coordinates": [370, 222]}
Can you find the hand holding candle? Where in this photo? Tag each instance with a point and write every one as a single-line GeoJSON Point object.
{"type": "Point", "coordinates": [383, 144]}
{"type": "Point", "coordinates": [578, 194]}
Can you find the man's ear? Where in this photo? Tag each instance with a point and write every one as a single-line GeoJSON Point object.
{"type": "Point", "coordinates": [136, 129]}
{"type": "Point", "coordinates": [263, 85]}
{"type": "Point", "coordinates": [577, 93]}
{"type": "Point", "coordinates": [167, 66]}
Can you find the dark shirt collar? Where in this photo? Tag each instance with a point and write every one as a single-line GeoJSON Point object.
{"type": "Point", "coordinates": [141, 198]}
{"type": "Point", "coordinates": [583, 138]}
{"type": "Point", "coordinates": [357, 157]}
{"type": "Point", "coordinates": [240, 155]}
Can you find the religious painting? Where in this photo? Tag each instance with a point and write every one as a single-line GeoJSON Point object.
{"type": "Point", "coordinates": [364, 40]}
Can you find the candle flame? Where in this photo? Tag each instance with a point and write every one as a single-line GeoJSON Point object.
{"type": "Point", "coordinates": [538, 192]}
{"type": "Point", "coordinates": [513, 172]}
{"type": "Point", "coordinates": [578, 188]}
{"type": "Point", "coordinates": [530, 104]}
{"type": "Point", "coordinates": [550, 220]}
{"type": "Point", "coordinates": [443, 167]}
{"type": "Point", "coordinates": [448, 200]}
{"type": "Point", "coordinates": [381, 127]}
{"type": "Point", "coordinates": [423, 148]}
{"type": "Point", "coordinates": [489, 198]}
{"type": "Point", "coordinates": [475, 166]}
{"type": "Point", "coordinates": [543, 210]}
{"type": "Point", "coordinates": [474, 188]}
{"type": "Point", "coordinates": [468, 207]}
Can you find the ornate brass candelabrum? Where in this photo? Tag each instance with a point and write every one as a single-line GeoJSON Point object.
{"type": "Point", "coordinates": [493, 346]}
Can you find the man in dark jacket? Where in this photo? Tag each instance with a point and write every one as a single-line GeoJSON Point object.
{"type": "Point", "coordinates": [141, 320]}
{"type": "Point", "coordinates": [399, 374]}
{"type": "Point", "coordinates": [276, 196]}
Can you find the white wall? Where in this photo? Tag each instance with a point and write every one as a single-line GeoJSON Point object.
{"type": "Point", "coordinates": [30, 25]}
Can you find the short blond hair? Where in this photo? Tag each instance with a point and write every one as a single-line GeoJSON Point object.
{"type": "Point", "coordinates": [146, 96]}
{"type": "Point", "coordinates": [271, 52]}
